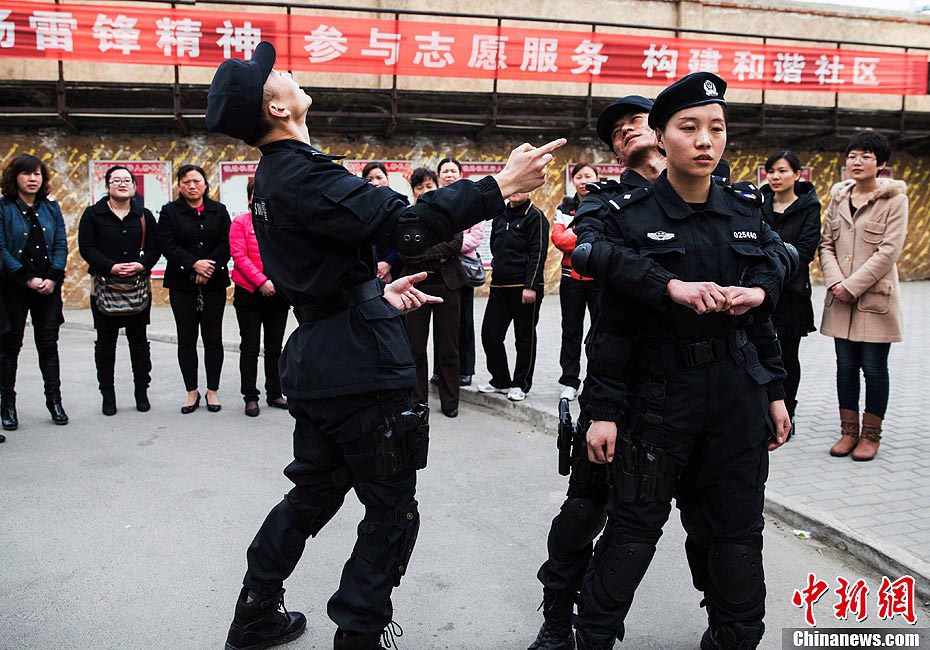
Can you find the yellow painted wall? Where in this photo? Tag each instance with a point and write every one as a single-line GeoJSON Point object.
{"type": "Point", "coordinates": [67, 157]}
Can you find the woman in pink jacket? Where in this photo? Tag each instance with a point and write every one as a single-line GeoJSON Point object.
{"type": "Point", "coordinates": [257, 305]}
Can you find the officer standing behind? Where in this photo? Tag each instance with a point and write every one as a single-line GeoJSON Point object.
{"type": "Point", "coordinates": [688, 265]}
{"type": "Point", "coordinates": [347, 370]}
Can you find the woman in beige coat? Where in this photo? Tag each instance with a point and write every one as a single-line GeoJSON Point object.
{"type": "Point", "coordinates": [863, 235]}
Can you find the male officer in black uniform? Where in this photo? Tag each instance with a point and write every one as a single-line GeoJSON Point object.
{"type": "Point", "coordinates": [623, 126]}
{"type": "Point", "coordinates": [347, 370]}
{"type": "Point", "coordinates": [671, 361]}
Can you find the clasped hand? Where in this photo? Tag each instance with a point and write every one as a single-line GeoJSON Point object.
{"type": "Point", "coordinates": [706, 297]}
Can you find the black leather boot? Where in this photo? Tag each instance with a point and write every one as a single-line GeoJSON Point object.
{"type": "Point", "coordinates": [141, 359]}
{"type": "Point", "coordinates": [109, 401]}
{"type": "Point", "coordinates": [262, 622]}
{"type": "Point", "coordinates": [8, 415]}
{"type": "Point", "coordinates": [556, 631]}
{"type": "Point", "coordinates": [142, 398]}
{"type": "Point", "coordinates": [57, 411]}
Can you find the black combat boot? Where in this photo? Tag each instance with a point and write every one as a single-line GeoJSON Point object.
{"type": "Point", "coordinates": [739, 636]}
{"type": "Point", "coordinates": [709, 639]}
{"type": "Point", "coordinates": [556, 630]}
{"type": "Point", "coordinates": [262, 622]}
{"type": "Point", "coordinates": [8, 414]}
{"type": "Point", "coordinates": [587, 641]}
{"type": "Point", "coordinates": [142, 398]}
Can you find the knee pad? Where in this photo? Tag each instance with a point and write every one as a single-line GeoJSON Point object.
{"type": "Point", "coordinates": [621, 569]}
{"type": "Point", "coordinates": [740, 636]}
{"type": "Point", "coordinates": [736, 573]}
{"type": "Point", "coordinates": [696, 552]}
{"type": "Point", "coordinates": [579, 522]}
{"type": "Point", "coordinates": [312, 514]}
{"type": "Point", "coordinates": [381, 549]}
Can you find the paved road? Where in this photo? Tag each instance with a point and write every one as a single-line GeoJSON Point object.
{"type": "Point", "coordinates": [130, 531]}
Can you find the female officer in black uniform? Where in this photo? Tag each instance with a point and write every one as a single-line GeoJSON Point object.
{"type": "Point", "coordinates": [347, 370]}
{"type": "Point", "coordinates": [688, 266]}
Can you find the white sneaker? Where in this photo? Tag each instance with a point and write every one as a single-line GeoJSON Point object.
{"type": "Point", "coordinates": [516, 394]}
{"type": "Point", "coordinates": [568, 393]}
{"type": "Point", "coordinates": [488, 388]}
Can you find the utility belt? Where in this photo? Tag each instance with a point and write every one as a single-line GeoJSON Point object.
{"type": "Point", "coordinates": [318, 310]}
{"type": "Point", "coordinates": [698, 353]}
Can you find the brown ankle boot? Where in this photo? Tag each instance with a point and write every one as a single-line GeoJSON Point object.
{"type": "Point", "coordinates": [870, 438]}
{"type": "Point", "coordinates": [849, 428]}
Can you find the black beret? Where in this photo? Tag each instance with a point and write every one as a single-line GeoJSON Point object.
{"type": "Point", "coordinates": [695, 89]}
{"type": "Point", "coordinates": [609, 116]}
{"type": "Point", "coordinates": [234, 101]}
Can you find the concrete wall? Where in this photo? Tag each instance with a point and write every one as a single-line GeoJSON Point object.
{"type": "Point", "coordinates": [68, 155]}
{"type": "Point", "coordinates": [780, 18]}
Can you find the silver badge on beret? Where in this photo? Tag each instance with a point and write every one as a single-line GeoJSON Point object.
{"type": "Point", "coordinates": [710, 89]}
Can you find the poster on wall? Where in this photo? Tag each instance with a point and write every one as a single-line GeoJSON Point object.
{"type": "Point", "coordinates": [234, 179]}
{"type": "Point", "coordinates": [153, 184]}
{"type": "Point", "coordinates": [605, 172]}
{"type": "Point", "coordinates": [476, 171]}
{"type": "Point", "coordinates": [398, 172]}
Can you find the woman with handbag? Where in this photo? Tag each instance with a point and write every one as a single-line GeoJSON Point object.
{"type": "Point", "coordinates": [118, 238]}
{"type": "Point", "coordinates": [35, 249]}
{"type": "Point", "coordinates": [450, 171]}
{"type": "Point", "coordinates": [194, 235]}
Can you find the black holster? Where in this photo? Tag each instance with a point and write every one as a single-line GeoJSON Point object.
{"type": "Point", "coordinates": [403, 441]}
{"type": "Point", "coordinates": [641, 472]}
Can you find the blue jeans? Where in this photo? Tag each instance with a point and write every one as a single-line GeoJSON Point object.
{"type": "Point", "coordinates": [872, 358]}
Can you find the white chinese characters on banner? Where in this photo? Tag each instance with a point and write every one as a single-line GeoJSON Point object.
{"type": "Point", "coordinates": [434, 50]}
{"type": "Point", "coordinates": [705, 60]}
{"type": "Point", "coordinates": [241, 40]}
{"type": "Point", "coordinates": [660, 60]}
{"type": "Point", "coordinates": [747, 65]}
{"type": "Point", "coordinates": [864, 71]}
{"type": "Point", "coordinates": [7, 30]}
{"type": "Point", "coordinates": [383, 45]}
{"type": "Point", "coordinates": [154, 185]}
{"type": "Point", "coordinates": [788, 67]}
{"type": "Point", "coordinates": [828, 70]}
{"type": "Point", "coordinates": [183, 35]}
{"type": "Point", "coordinates": [117, 33]}
{"type": "Point", "coordinates": [325, 43]}
{"type": "Point", "coordinates": [53, 30]}
{"type": "Point", "coordinates": [540, 54]}
{"type": "Point", "coordinates": [588, 58]}
{"type": "Point", "coordinates": [488, 52]}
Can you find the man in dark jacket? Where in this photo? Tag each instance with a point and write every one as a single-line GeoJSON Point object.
{"type": "Point", "coordinates": [519, 243]}
{"type": "Point", "coordinates": [347, 370]}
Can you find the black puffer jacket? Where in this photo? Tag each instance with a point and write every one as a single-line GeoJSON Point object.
{"type": "Point", "coordinates": [799, 226]}
{"type": "Point", "coordinates": [519, 243]}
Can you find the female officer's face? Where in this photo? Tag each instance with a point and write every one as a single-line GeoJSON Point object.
{"type": "Point", "coordinates": [694, 140]}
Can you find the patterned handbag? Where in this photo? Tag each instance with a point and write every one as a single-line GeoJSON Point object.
{"type": "Point", "coordinates": [118, 296]}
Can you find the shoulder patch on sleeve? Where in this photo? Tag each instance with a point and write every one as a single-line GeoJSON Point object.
{"type": "Point", "coordinates": [626, 199]}
{"type": "Point", "coordinates": [602, 186]}
{"type": "Point", "coordinates": [746, 191]}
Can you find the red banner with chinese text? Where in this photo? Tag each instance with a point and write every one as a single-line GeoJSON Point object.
{"type": "Point", "coordinates": [189, 36]}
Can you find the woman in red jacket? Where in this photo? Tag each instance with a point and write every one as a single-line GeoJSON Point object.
{"type": "Point", "coordinates": [575, 291]}
{"type": "Point", "coordinates": [257, 305]}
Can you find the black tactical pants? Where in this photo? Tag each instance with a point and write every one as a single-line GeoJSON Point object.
{"type": "Point", "coordinates": [335, 449]}
{"type": "Point", "coordinates": [713, 421]}
{"type": "Point", "coordinates": [574, 529]}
